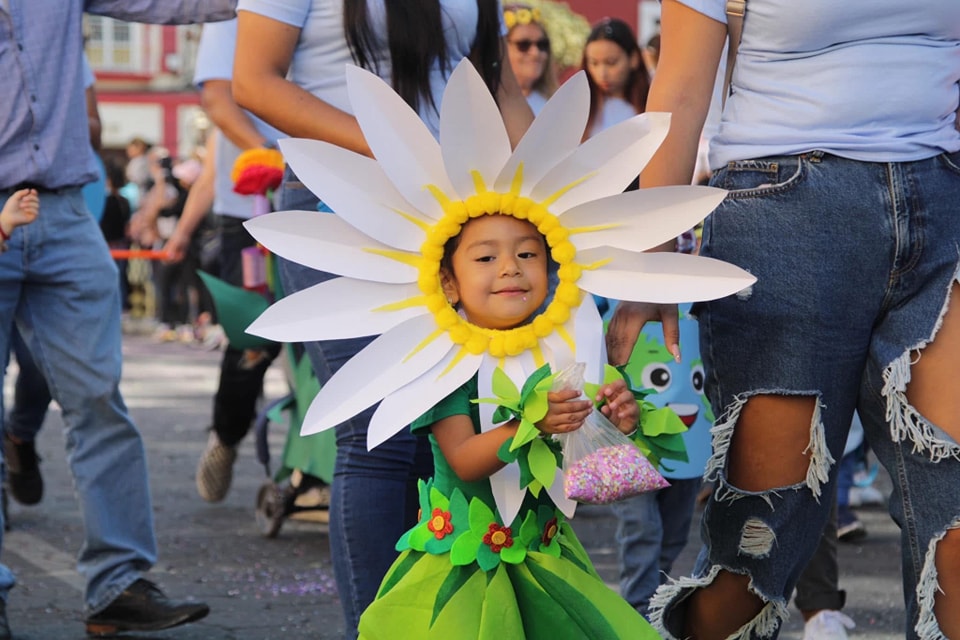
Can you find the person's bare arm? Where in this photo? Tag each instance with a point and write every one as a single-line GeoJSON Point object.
{"type": "Point", "coordinates": [265, 49]}
{"type": "Point", "coordinates": [216, 97]}
{"type": "Point", "coordinates": [691, 45]}
{"type": "Point", "coordinates": [198, 203]}
{"type": "Point", "coordinates": [473, 456]}
{"type": "Point", "coordinates": [93, 118]}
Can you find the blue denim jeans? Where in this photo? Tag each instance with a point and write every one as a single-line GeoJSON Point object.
{"type": "Point", "coordinates": [59, 284]}
{"type": "Point", "coordinates": [374, 493]}
{"type": "Point", "coordinates": [652, 530]}
{"type": "Point", "coordinates": [855, 264]}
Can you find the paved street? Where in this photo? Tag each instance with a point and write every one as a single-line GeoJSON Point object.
{"type": "Point", "coordinates": [261, 589]}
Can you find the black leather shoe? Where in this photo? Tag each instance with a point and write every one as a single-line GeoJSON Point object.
{"type": "Point", "coordinates": [23, 471]}
{"type": "Point", "coordinates": [4, 625]}
{"type": "Point", "coordinates": [143, 607]}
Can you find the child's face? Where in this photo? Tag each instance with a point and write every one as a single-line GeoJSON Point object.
{"type": "Point", "coordinates": [609, 66]}
{"type": "Point", "coordinates": [499, 274]}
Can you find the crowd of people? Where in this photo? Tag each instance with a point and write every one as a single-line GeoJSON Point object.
{"type": "Point", "coordinates": [839, 201]}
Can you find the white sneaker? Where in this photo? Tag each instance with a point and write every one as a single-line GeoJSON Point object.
{"type": "Point", "coordinates": [866, 496]}
{"type": "Point", "coordinates": [827, 625]}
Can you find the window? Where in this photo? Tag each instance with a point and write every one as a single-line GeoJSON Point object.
{"type": "Point", "coordinates": [113, 45]}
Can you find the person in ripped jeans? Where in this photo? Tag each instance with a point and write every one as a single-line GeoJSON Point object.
{"type": "Point", "coordinates": [843, 203]}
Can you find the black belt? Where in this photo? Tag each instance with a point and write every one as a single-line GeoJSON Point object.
{"type": "Point", "coordinates": [38, 187]}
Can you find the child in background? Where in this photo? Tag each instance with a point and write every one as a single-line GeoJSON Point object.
{"type": "Point", "coordinates": [20, 208]}
{"type": "Point", "coordinates": [619, 81]}
{"type": "Point", "coordinates": [495, 273]}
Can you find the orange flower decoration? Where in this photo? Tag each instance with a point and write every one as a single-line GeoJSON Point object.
{"type": "Point", "coordinates": [440, 523]}
{"type": "Point", "coordinates": [257, 171]}
{"type": "Point", "coordinates": [498, 537]}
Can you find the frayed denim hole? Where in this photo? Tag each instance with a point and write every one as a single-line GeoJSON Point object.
{"type": "Point", "coordinates": [928, 586]}
{"type": "Point", "coordinates": [821, 460]}
{"type": "Point", "coordinates": [906, 422]}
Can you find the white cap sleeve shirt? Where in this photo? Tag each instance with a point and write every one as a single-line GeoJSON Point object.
{"type": "Point", "coordinates": [322, 53]}
{"type": "Point", "coordinates": [872, 80]}
{"type": "Point", "coordinates": [215, 62]}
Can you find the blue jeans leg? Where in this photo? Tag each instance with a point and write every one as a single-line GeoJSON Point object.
{"type": "Point", "coordinates": [652, 530]}
{"type": "Point", "coordinates": [373, 496]}
{"type": "Point", "coordinates": [639, 533]}
{"type": "Point", "coordinates": [59, 283]}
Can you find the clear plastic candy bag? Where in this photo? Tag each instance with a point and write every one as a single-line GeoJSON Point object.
{"type": "Point", "coordinates": [600, 464]}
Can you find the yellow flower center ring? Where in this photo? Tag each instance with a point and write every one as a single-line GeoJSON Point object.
{"type": "Point", "coordinates": [498, 342]}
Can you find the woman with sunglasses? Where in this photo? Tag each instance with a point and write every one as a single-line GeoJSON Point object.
{"type": "Point", "coordinates": [529, 53]}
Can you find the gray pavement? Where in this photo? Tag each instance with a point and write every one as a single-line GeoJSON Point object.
{"type": "Point", "coordinates": [266, 589]}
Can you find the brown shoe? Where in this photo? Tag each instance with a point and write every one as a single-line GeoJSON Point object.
{"type": "Point", "coordinates": [143, 607]}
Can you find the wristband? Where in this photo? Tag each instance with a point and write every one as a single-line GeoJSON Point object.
{"type": "Point", "coordinates": [3, 234]}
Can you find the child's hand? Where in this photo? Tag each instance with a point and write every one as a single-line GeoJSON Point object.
{"type": "Point", "coordinates": [619, 406]}
{"type": "Point", "coordinates": [21, 208]}
{"type": "Point", "coordinates": [564, 412]}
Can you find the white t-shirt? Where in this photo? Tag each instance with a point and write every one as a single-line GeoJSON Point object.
{"type": "Point", "coordinates": [873, 80]}
{"type": "Point", "coordinates": [537, 101]}
{"type": "Point", "coordinates": [613, 111]}
{"type": "Point", "coordinates": [215, 62]}
{"type": "Point", "coordinates": [322, 52]}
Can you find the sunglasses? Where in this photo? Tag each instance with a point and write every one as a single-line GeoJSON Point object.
{"type": "Point", "coordinates": [524, 45]}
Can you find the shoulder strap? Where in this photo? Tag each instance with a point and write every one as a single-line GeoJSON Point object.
{"type": "Point", "coordinates": [735, 12]}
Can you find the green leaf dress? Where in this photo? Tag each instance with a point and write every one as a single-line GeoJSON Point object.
{"type": "Point", "coordinates": [463, 573]}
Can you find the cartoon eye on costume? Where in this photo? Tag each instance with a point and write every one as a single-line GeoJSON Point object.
{"type": "Point", "coordinates": [656, 375]}
{"type": "Point", "coordinates": [395, 214]}
{"type": "Point", "coordinates": [696, 378]}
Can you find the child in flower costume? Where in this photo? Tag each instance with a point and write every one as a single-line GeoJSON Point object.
{"type": "Point", "coordinates": [528, 577]}
{"type": "Point", "coordinates": [492, 555]}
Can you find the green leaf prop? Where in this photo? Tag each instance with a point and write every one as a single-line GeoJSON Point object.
{"type": "Point", "coordinates": [543, 464]}
{"type": "Point", "coordinates": [236, 309]}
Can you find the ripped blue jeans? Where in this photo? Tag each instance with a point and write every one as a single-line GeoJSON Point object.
{"type": "Point", "coordinates": [855, 264]}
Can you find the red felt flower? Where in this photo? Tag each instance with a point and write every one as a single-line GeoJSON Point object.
{"type": "Point", "coordinates": [498, 537]}
{"type": "Point", "coordinates": [440, 523]}
{"type": "Point", "coordinates": [258, 180]}
{"type": "Point", "coordinates": [549, 531]}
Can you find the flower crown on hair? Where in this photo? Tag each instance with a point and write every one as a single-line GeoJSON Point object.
{"type": "Point", "coordinates": [521, 15]}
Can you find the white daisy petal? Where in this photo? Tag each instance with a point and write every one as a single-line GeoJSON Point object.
{"type": "Point", "coordinates": [337, 308]}
{"type": "Point", "coordinates": [608, 161]}
{"type": "Point", "coordinates": [357, 189]}
{"type": "Point", "coordinates": [640, 220]}
{"type": "Point", "coordinates": [556, 493]}
{"type": "Point", "coordinates": [505, 485]}
{"type": "Point", "coordinates": [383, 366]}
{"type": "Point", "coordinates": [554, 135]}
{"type": "Point", "coordinates": [660, 277]}
{"type": "Point", "coordinates": [328, 243]}
{"type": "Point", "coordinates": [400, 142]}
{"type": "Point", "coordinates": [472, 135]}
{"type": "Point", "coordinates": [587, 325]}
{"type": "Point", "coordinates": [561, 354]}
{"type": "Point", "coordinates": [412, 400]}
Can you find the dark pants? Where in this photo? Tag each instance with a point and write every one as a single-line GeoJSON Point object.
{"type": "Point", "coordinates": [817, 586]}
{"type": "Point", "coordinates": [241, 371]}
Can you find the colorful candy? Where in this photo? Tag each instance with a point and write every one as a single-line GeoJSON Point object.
{"type": "Point", "coordinates": [609, 474]}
